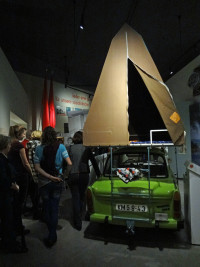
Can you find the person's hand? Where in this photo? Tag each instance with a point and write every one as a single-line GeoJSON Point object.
{"type": "Point", "coordinates": [15, 186]}
{"type": "Point", "coordinates": [55, 179]}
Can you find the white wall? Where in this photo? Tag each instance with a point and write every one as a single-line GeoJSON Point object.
{"type": "Point", "coordinates": [183, 97]}
{"type": "Point", "coordinates": [63, 97]}
{"type": "Point", "coordinates": [12, 96]}
{"type": "Point", "coordinates": [177, 165]}
{"type": "Point", "coordinates": [75, 124]}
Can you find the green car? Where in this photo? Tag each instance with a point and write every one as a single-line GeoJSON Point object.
{"type": "Point", "coordinates": [137, 189]}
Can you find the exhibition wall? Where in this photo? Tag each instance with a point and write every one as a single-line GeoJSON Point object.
{"type": "Point", "coordinates": [13, 97]}
{"type": "Point", "coordinates": [66, 100]}
{"type": "Point", "coordinates": [183, 98]}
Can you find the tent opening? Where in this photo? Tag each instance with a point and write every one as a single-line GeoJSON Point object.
{"type": "Point", "coordinates": [143, 113]}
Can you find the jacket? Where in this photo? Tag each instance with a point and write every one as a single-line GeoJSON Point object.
{"type": "Point", "coordinates": [80, 157]}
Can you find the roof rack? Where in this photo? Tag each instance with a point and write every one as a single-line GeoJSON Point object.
{"type": "Point", "coordinates": [151, 142]}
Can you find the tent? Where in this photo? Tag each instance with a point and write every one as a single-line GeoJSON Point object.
{"type": "Point", "coordinates": [110, 115]}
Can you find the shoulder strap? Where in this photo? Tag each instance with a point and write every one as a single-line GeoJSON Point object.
{"type": "Point", "coordinates": [49, 156]}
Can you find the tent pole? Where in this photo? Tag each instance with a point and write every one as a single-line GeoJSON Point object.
{"type": "Point", "coordinates": [176, 163]}
{"type": "Point", "coordinates": [111, 180]}
{"type": "Point", "coordinates": [149, 177]}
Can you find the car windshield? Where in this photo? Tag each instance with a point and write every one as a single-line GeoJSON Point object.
{"type": "Point", "coordinates": [138, 161]}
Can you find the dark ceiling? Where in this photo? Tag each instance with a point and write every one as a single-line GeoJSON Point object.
{"type": "Point", "coordinates": [38, 35]}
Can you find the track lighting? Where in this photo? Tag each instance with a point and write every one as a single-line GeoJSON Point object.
{"type": "Point", "coordinates": [82, 22]}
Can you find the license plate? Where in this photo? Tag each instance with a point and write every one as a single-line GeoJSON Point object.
{"type": "Point", "coordinates": [131, 207]}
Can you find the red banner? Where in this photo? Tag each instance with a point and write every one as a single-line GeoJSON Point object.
{"type": "Point", "coordinates": [52, 114]}
{"type": "Point", "coordinates": [45, 104]}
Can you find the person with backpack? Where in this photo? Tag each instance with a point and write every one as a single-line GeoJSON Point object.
{"type": "Point", "coordinates": [48, 160]}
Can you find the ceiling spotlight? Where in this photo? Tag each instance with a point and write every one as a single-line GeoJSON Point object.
{"type": "Point", "coordinates": [82, 23]}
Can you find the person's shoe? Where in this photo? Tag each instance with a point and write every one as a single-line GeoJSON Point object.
{"type": "Point", "coordinates": [87, 216]}
{"type": "Point", "coordinates": [48, 242]}
{"type": "Point", "coordinates": [18, 249]}
{"type": "Point", "coordinates": [58, 227]}
{"type": "Point", "coordinates": [27, 213]}
{"type": "Point", "coordinates": [15, 248]}
{"type": "Point", "coordinates": [36, 216]}
{"type": "Point", "coordinates": [26, 232]}
{"type": "Point", "coordinates": [78, 227]}
{"type": "Point", "coordinates": [1, 244]}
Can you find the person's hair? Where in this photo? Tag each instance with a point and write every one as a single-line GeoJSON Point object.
{"type": "Point", "coordinates": [4, 141]}
{"type": "Point", "coordinates": [78, 138]}
{"type": "Point", "coordinates": [15, 131]}
{"type": "Point", "coordinates": [36, 135]}
{"type": "Point", "coordinates": [49, 136]}
{"type": "Point", "coordinates": [28, 134]}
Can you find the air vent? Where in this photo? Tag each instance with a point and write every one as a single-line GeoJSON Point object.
{"type": "Point", "coordinates": [196, 90]}
{"type": "Point", "coordinates": [194, 81]}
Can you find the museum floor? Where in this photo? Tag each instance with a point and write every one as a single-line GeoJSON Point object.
{"type": "Point", "coordinates": [97, 245]}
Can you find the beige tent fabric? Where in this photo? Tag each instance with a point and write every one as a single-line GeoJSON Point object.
{"type": "Point", "coordinates": [138, 52]}
{"type": "Point", "coordinates": [107, 121]}
{"type": "Point", "coordinates": [164, 102]}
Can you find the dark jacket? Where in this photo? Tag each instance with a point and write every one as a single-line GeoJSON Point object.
{"type": "Point", "coordinates": [5, 174]}
{"type": "Point", "coordinates": [15, 159]}
{"type": "Point", "coordinates": [80, 157]}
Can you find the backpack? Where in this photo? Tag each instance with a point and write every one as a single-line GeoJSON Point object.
{"type": "Point", "coordinates": [48, 160]}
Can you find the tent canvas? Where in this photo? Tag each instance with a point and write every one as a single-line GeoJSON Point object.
{"type": "Point", "coordinates": [108, 118]}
